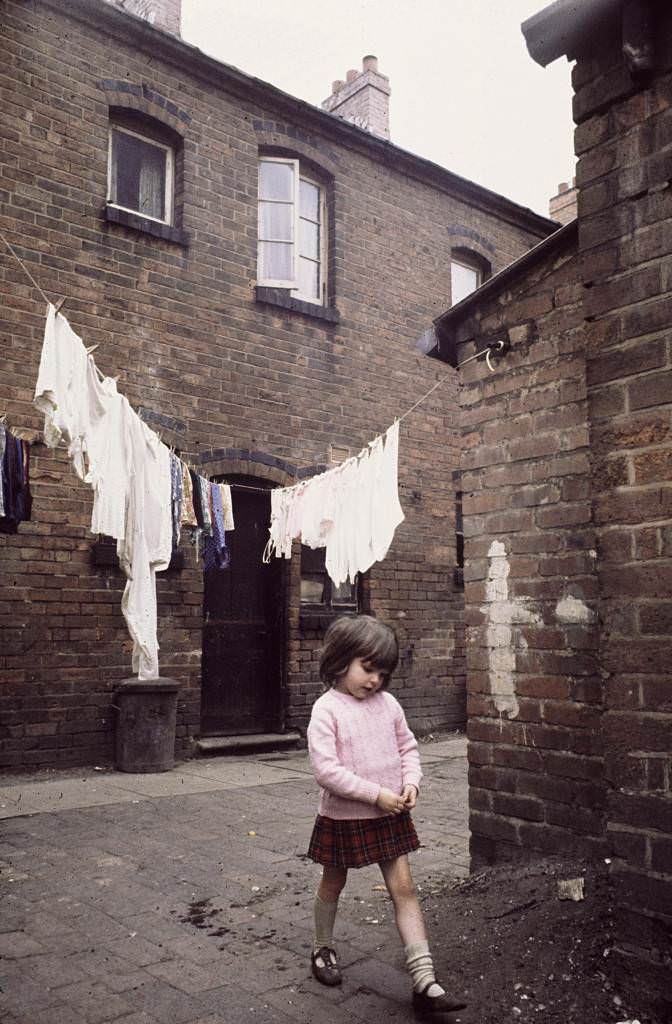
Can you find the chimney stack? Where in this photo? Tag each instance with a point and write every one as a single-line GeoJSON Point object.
{"type": "Point", "coordinates": [563, 206]}
{"type": "Point", "coordinates": [363, 99]}
{"type": "Point", "coordinates": [163, 14]}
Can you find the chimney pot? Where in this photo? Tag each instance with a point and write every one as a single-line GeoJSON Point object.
{"type": "Point", "coordinates": [351, 75]}
{"type": "Point", "coordinates": [562, 187]}
{"type": "Point", "coordinates": [337, 85]}
{"type": "Point", "coordinates": [370, 63]}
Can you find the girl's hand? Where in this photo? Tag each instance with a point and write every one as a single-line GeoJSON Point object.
{"type": "Point", "coordinates": [389, 801]}
{"type": "Point", "coordinates": [409, 795]}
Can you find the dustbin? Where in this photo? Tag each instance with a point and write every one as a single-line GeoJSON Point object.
{"type": "Point", "coordinates": [146, 713]}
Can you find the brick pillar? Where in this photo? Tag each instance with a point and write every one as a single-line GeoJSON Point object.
{"type": "Point", "coordinates": [624, 147]}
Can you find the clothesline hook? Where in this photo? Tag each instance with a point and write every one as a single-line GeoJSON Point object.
{"type": "Point", "coordinates": [494, 346]}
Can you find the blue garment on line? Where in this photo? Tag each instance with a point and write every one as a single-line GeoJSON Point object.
{"type": "Point", "coordinates": [216, 555]}
{"type": "Point", "coordinates": [176, 496]}
{"type": "Point", "coordinates": [14, 480]}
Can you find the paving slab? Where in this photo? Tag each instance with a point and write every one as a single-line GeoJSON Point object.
{"type": "Point", "coordinates": [45, 797]}
{"type": "Point", "coordinates": [187, 896]}
{"type": "Point", "coordinates": [242, 773]}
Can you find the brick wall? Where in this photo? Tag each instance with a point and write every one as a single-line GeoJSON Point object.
{"type": "Point", "coordinates": [624, 147]}
{"type": "Point", "coordinates": [534, 690]}
{"type": "Point", "coordinates": [568, 509]}
{"type": "Point", "coordinates": [236, 384]}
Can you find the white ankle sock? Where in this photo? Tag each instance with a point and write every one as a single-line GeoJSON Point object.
{"type": "Point", "coordinates": [421, 968]}
{"type": "Point", "coordinates": [325, 915]}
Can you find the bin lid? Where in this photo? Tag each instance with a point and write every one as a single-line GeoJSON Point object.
{"type": "Point", "coordinates": [162, 684]}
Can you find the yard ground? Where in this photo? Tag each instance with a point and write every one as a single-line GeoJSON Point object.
{"type": "Point", "coordinates": [185, 898]}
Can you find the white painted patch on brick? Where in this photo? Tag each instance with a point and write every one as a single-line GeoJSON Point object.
{"type": "Point", "coordinates": [572, 609]}
{"type": "Point", "coordinates": [502, 615]}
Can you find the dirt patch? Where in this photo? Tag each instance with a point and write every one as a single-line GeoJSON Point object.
{"type": "Point", "coordinates": [504, 939]}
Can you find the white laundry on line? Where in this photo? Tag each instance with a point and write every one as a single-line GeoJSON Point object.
{"type": "Point", "coordinates": [125, 463]}
{"type": "Point", "coordinates": [352, 510]}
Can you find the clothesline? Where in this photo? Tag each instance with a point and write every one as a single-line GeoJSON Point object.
{"type": "Point", "coordinates": [144, 492]}
{"type": "Point", "coordinates": [486, 352]}
{"type": "Point", "coordinates": [24, 267]}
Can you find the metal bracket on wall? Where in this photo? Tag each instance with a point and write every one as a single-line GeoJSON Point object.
{"type": "Point", "coordinates": [498, 347]}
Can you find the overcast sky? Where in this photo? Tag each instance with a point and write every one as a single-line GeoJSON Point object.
{"type": "Point", "coordinates": [465, 92]}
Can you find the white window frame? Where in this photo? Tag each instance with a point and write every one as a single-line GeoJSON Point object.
{"type": "Point", "coordinates": [169, 177]}
{"type": "Point", "coordinates": [466, 265]}
{"type": "Point", "coordinates": [298, 176]}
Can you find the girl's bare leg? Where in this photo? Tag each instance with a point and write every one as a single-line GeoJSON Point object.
{"type": "Point", "coordinates": [401, 887]}
{"type": "Point", "coordinates": [411, 926]}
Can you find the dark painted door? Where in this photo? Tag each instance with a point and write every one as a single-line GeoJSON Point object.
{"type": "Point", "coordinates": [242, 628]}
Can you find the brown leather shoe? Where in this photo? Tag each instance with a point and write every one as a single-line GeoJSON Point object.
{"type": "Point", "coordinates": [324, 965]}
{"type": "Point", "coordinates": [433, 1007]}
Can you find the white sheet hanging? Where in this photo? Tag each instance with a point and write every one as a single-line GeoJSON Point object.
{"type": "Point", "coordinates": [147, 543]}
{"type": "Point", "coordinates": [387, 512]}
{"type": "Point", "coordinates": [352, 510]}
{"type": "Point", "coordinates": [109, 463]}
{"type": "Point", "coordinates": [126, 465]}
{"type": "Point", "coordinates": [61, 388]}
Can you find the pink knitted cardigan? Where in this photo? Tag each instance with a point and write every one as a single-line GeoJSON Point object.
{"type": "Point", "coordinates": [358, 746]}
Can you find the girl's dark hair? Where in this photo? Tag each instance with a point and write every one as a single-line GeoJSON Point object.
{"type": "Point", "coordinates": [358, 636]}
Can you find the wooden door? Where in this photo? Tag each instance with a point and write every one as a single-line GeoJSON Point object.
{"type": "Point", "coordinates": [242, 627]}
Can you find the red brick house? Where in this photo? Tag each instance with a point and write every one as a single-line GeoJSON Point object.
{"type": "Point", "coordinates": [568, 500]}
{"type": "Point", "coordinates": [152, 186]}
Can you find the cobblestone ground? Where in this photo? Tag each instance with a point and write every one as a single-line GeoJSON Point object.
{"type": "Point", "coordinates": [185, 898]}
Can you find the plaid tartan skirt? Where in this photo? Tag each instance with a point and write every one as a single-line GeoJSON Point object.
{"type": "Point", "coordinates": [354, 843]}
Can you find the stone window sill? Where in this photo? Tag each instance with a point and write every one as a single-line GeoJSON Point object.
{"type": "Point", "coordinates": [148, 227]}
{"type": "Point", "coordinates": [280, 297]}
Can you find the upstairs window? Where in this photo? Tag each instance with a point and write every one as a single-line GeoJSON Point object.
{"type": "Point", "coordinates": [463, 280]}
{"type": "Point", "coordinates": [468, 271]}
{"type": "Point", "coordinates": [140, 174]}
{"type": "Point", "coordinates": [291, 230]}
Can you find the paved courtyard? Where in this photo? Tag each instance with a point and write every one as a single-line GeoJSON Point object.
{"type": "Point", "coordinates": [185, 897]}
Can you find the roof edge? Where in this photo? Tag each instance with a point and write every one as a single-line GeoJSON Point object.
{"type": "Point", "coordinates": [447, 322]}
{"type": "Point", "coordinates": [215, 72]}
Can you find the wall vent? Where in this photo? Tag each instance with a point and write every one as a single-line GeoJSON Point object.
{"type": "Point", "coordinates": [338, 453]}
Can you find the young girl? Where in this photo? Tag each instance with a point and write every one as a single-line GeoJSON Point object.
{"type": "Point", "coordinates": [366, 761]}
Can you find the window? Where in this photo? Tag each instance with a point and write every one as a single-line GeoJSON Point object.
{"type": "Point", "coordinates": [291, 229]}
{"type": "Point", "coordinates": [464, 279]}
{"type": "Point", "coordinates": [140, 174]}
{"type": "Point", "coordinates": [318, 590]}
